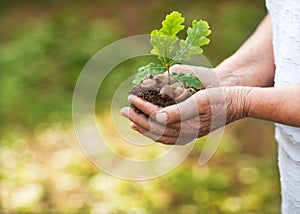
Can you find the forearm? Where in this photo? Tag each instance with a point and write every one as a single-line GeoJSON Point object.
{"type": "Point", "coordinates": [253, 63]}
{"type": "Point", "coordinates": [280, 105]}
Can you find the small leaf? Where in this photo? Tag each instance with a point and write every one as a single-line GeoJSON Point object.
{"type": "Point", "coordinates": [172, 24]}
{"type": "Point", "coordinates": [196, 37]}
{"type": "Point", "coordinates": [188, 79]}
{"type": "Point", "coordinates": [162, 45]}
{"type": "Point", "coordinates": [164, 39]}
{"type": "Point", "coordinates": [145, 71]}
{"type": "Point", "coordinates": [187, 50]}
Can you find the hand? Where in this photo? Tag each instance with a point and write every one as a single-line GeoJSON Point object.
{"type": "Point", "coordinates": [205, 111]}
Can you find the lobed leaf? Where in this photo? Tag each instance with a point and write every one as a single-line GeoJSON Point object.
{"type": "Point", "coordinates": [147, 70]}
{"type": "Point", "coordinates": [172, 24]}
{"type": "Point", "coordinates": [164, 39]}
{"type": "Point", "coordinates": [188, 79]}
{"type": "Point", "coordinates": [162, 45]}
{"type": "Point", "coordinates": [196, 37]}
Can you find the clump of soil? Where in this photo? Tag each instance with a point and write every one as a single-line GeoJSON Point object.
{"type": "Point", "coordinates": [162, 91]}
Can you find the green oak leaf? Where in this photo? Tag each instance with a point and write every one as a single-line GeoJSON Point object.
{"type": "Point", "coordinates": [172, 24]}
{"type": "Point", "coordinates": [196, 37]}
{"type": "Point", "coordinates": [163, 46]}
{"type": "Point", "coordinates": [147, 70]}
{"type": "Point", "coordinates": [188, 79]}
{"type": "Point", "coordinates": [164, 39]}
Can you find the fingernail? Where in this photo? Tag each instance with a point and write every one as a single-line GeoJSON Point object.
{"type": "Point", "coordinates": [132, 125]}
{"type": "Point", "coordinates": [162, 117]}
{"type": "Point", "coordinates": [130, 98]}
{"type": "Point", "coordinates": [124, 111]}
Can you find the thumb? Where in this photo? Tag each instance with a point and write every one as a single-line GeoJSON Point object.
{"type": "Point", "coordinates": [184, 110]}
{"type": "Point", "coordinates": [177, 68]}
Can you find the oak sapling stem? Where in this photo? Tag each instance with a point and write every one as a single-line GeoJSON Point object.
{"type": "Point", "coordinates": [169, 75]}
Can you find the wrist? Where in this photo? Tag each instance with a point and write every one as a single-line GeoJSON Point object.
{"type": "Point", "coordinates": [237, 102]}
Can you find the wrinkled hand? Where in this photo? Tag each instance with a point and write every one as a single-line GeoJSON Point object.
{"type": "Point", "coordinates": [205, 111]}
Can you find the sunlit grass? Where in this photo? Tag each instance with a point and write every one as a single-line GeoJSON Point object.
{"type": "Point", "coordinates": [48, 171]}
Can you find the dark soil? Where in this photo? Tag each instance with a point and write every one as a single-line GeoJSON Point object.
{"type": "Point", "coordinates": [161, 93]}
{"type": "Point", "coordinates": [152, 96]}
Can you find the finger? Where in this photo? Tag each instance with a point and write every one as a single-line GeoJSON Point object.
{"type": "Point", "coordinates": [156, 138]}
{"type": "Point", "coordinates": [162, 139]}
{"type": "Point", "coordinates": [181, 68]}
{"type": "Point", "coordinates": [193, 106]}
{"type": "Point", "coordinates": [133, 115]}
{"type": "Point", "coordinates": [207, 76]}
{"type": "Point", "coordinates": [146, 107]}
{"type": "Point", "coordinates": [149, 124]}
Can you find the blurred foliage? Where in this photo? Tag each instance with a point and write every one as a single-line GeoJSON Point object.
{"type": "Point", "coordinates": [45, 45]}
{"type": "Point", "coordinates": [48, 173]}
{"type": "Point", "coordinates": [43, 62]}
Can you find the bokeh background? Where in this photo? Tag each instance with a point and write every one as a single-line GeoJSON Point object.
{"type": "Point", "coordinates": [45, 45]}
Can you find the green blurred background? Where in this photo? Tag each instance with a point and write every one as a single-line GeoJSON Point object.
{"type": "Point", "coordinates": [45, 45]}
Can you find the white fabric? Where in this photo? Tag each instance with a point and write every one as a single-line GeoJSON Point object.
{"type": "Point", "coordinates": [285, 15]}
{"type": "Point", "coordinates": [290, 180]}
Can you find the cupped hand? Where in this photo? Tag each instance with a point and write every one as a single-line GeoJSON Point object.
{"type": "Point", "coordinates": [205, 111]}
